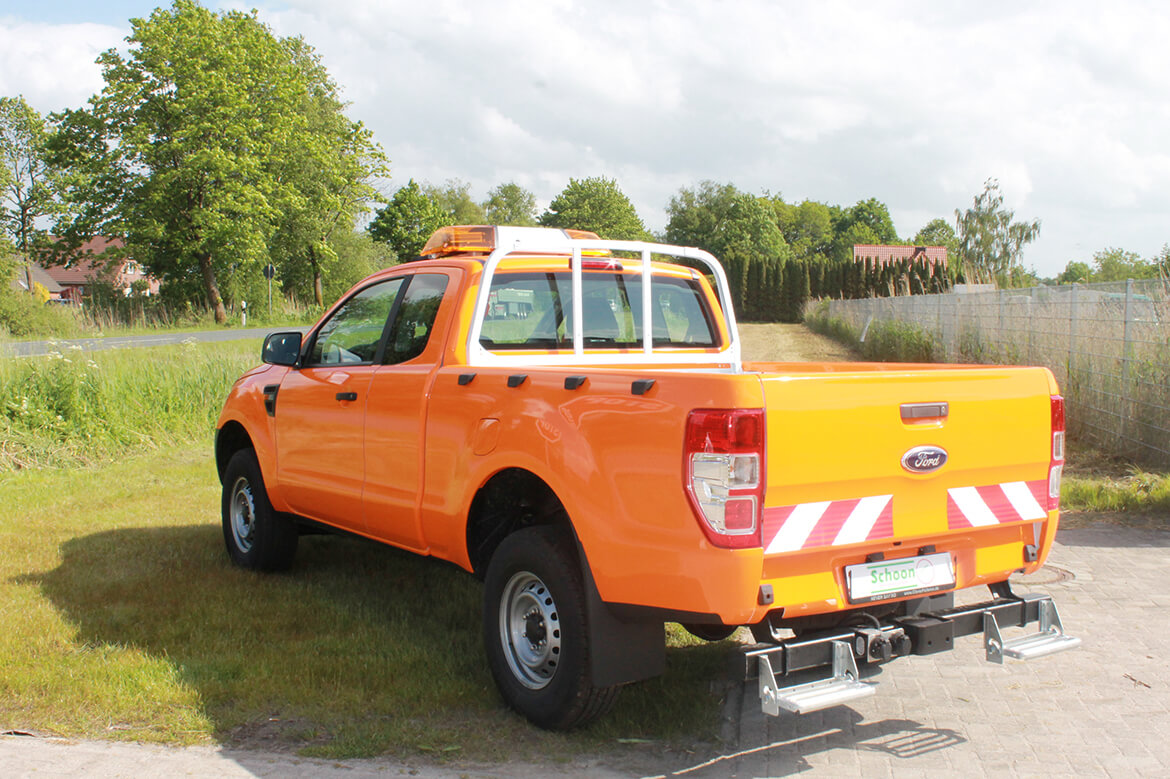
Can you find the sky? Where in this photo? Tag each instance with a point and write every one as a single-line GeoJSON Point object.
{"type": "Point", "coordinates": [915, 103]}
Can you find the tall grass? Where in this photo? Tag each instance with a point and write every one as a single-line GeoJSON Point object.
{"type": "Point", "coordinates": [75, 407]}
{"type": "Point", "coordinates": [879, 341]}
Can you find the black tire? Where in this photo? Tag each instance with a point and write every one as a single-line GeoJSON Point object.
{"type": "Point", "coordinates": [257, 537]}
{"type": "Point", "coordinates": [710, 632]}
{"type": "Point", "coordinates": [535, 630]}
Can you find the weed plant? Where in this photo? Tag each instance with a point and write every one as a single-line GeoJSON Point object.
{"type": "Point", "coordinates": [77, 407]}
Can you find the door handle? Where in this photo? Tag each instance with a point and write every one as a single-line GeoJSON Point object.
{"type": "Point", "coordinates": [346, 396]}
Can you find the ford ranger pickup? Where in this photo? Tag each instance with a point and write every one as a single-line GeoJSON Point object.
{"type": "Point", "coordinates": [570, 419]}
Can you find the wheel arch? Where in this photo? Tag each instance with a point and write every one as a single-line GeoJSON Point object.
{"type": "Point", "coordinates": [511, 499]}
{"type": "Point", "coordinates": [229, 439]}
{"type": "Point", "coordinates": [621, 651]}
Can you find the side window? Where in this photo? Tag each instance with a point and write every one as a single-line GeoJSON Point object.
{"type": "Point", "coordinates": [352, 334]}
{"type": "Point", "coordinates": [416, 317]}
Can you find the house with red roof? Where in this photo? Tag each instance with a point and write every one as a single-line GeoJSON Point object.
{"type": "Point", "coordinates": [39, 276]}
{"type": "Point", "coordinates": [882, 255]}
{"type": "Point", "coordinates": [88, 266]}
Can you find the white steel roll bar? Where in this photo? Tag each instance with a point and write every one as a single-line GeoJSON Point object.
{"type": "Point", "coordinates": [537, 241]}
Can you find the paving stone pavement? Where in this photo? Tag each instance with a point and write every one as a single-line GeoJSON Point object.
{"type": "Point", "coordinates": [1100, 710]}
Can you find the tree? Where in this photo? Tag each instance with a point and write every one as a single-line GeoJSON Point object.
{"type": "Point", "coordinates": [454, 200]}
{"type": "Point", "coordinates": [186, 152]}
{"type": "Point", "coordinates": [807, 228]}
{"type": "Point", "coordinates": [740, 230]}
{"type": "Point", "coordinates": [1119, 265]}
{"type": "Point", "coordinates": [598, 205]}
{"type": "Point", "coordinates": [511, 204]}
{"type": "Point", "coordinates": [873, 214]}
{"type": "Point", "coordinates": [407, 221]}
{"type": "Point", "coordinates": [1075, 273]}
{"type": "Point", "coordinates": [332, 174]}
{"type": "Point", "coordinates": [989, 242]}
{"type": "Point", "coordinates": [27, 183]}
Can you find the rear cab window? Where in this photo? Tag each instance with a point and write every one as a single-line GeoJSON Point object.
{"type": "Point", "coordinates": [533, 310]}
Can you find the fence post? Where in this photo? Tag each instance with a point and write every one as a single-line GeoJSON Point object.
{"type": "Point", "coordinates": [1072, 332]}
{"type": "Point", "coordinates": [1123, 412]}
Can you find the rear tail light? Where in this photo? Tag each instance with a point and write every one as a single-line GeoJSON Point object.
{"type": "Point", "coordinates": [1056, 463]}
{"type": "Point", "coordinates": [724, 473]}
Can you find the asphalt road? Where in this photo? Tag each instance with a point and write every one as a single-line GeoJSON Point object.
{"type": "Point", "coordinates": [42, 348]}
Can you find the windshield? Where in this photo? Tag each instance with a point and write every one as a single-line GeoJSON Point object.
{"type": "Point", "coordinates": [534, 311]}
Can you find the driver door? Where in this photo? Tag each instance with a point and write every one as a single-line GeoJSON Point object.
{"type": "Point", "coordinates": [320, 409]}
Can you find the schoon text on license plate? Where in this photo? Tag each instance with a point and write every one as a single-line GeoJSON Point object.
{"type": "Point", "coordinates": [887, 579]}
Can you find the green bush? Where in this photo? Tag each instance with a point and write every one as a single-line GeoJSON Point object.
{"type": "Point", "coordinates": [24, 316]}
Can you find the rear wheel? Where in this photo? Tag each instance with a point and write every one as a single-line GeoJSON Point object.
{"type": "Point", "coordinates": [256, 536]}
{"type": "Point", "coordinates": [536, 633]}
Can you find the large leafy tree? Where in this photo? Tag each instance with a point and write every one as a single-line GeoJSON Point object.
{"type": "Point", "coordinates": [1119, 265]}
{"type": "Point", "coordinates": [740, 230]}
{"type": "Point", "coordinates": [807, 228]}
{"type": "Point", "coordinates": [989, 240]}
{"type": "Point", "coordinates": [407, 221]}
{"type": "Point", "coordinates": [27, 184]}
{"type": "Point", "coordinates": [510, 204]}
{"type": "Point", "coordinates": [866, 222]}
{"type": "Point", "coordinates": [331, 174]}
{"type": "Point", "coordinates": [454, 199]}
{"type": "Point", "coordinates": [195, 150]}
{"type": "Point", "coordinates": [598, 205]}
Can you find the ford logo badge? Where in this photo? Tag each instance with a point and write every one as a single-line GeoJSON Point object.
{"type": "Point", "coordinates": [924, 459]}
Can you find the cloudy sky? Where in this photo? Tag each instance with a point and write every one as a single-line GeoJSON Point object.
{"type": "Point", "coordinates": [915, 103]}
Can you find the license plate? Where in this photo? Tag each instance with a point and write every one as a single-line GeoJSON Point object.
{"type": "Point", "coordinates": [888, 579]}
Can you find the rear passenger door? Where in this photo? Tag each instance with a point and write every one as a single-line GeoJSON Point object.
{"type": "Point", "coordinates": [320, 408]}
{"type": "Point", "coordinates": [397, 408]}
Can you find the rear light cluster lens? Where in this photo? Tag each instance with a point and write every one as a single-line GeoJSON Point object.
{"type": "Point", "coordinates": [1056, 464]}
{"type": "Point", "coordinates": [724, 466]}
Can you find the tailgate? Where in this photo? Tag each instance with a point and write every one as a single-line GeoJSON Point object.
{"type": "Point", "coordinates": [976, 442]}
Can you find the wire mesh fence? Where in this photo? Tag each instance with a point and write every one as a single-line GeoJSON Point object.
{"type": "Point", "coordinates": [1108, 345]}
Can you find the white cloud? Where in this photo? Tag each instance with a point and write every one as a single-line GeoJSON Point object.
{"type": "Point", "coordinates": [53, 65]}
{"type": "Point", "coordinates": [913, 102]}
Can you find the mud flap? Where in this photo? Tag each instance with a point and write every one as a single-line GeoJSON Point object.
{"type": "Point", "coordinates": [620, 651]}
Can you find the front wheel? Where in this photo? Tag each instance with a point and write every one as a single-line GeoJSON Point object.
{"type": "Point", "coordinates": [536, 633]}
{"type": "Point", "coordinates": [256, 536]}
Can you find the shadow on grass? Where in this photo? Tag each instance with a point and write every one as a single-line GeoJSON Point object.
{"type": "Point", "coordinates": [359, 650]}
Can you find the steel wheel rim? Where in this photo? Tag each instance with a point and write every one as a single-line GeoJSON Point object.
{"type": "Point", "coordinates": [530, 630]}
{"type": "Point", "coordinates": [243, 514]}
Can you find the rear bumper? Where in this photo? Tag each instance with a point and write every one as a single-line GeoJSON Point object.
{"type": "Point", "coordinates": [846, 650]}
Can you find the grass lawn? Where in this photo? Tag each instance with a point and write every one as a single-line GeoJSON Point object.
{"type": "Point", "coordinates": [124, 619]}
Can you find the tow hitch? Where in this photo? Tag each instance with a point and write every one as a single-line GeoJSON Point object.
{"type": "Point", "coordinates": [841, 650]}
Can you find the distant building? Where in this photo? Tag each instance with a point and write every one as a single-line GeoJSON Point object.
{"type": "Point", "coordinates": [883, 255]}
{"type": "Point", "coordinates": [87, 267]}
{"type": "Point", "coordinates": [39, 276]}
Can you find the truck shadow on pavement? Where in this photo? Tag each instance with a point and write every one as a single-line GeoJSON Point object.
{"type": "Point", "coordinates": [781, 746]}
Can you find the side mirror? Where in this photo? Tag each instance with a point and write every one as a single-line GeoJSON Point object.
{"type": "Point", "coordinates": [282, 349]}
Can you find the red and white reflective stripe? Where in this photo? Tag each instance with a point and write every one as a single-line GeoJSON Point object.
{"type": "Point", "coordinates": [827, 523]}
{"type": "Point", "coordinates": [1014, 501]}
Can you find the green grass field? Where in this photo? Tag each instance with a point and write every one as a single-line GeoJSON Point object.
{"type": "Point", "coordinates": [124, 619]}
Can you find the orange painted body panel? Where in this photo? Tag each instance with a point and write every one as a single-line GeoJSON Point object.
{"type": "Point", "coordinates": [406, 466]}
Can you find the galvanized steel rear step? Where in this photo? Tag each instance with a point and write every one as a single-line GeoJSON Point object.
{"type": "Point", "coordinates": [924, 633]}
{"type": "Point", "coordinates": [1050, 640]}
{"type": "Point", "coordinates": [841, 688]}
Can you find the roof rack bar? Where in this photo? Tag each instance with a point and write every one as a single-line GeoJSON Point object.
{"type": "Point", "coordinates": [557, 242]}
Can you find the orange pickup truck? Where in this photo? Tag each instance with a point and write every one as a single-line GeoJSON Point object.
{"type": "Point", "coordinates": [502, 404]}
